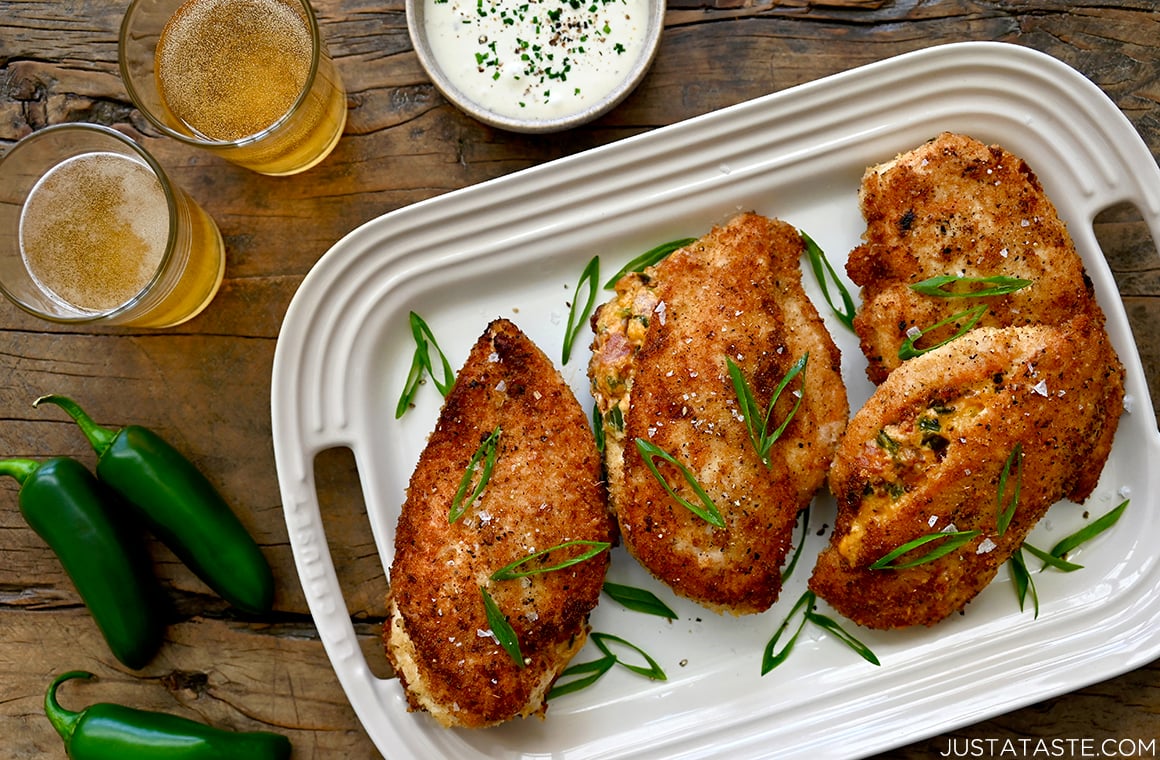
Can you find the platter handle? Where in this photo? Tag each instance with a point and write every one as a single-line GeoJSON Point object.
{"type": "Point", "coordinates": [320, 585]}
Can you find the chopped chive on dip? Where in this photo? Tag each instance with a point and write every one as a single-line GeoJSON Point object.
{"type": "Point", "coordinates": [536, 58]}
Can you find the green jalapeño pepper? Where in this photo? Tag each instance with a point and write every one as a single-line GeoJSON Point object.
{"type": "Point", "coordinates": [104, 731]}
{"type": "Point", "coordinates": [77, 517]}
{"type": "Point", "coordinates": [181, 507]}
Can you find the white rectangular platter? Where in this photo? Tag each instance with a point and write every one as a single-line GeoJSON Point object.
{"type": "Point", "coordinates": [515, 247]}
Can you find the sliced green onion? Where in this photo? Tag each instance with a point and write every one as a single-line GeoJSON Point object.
{"type": "Point", "coordinates": [1006, 512]}
{"type": "Point", "coordinates": [598, 428]}
{"type": "Point", "coordinates": [585, 674]}
{"type": "Point", "coordinates": [615, 418]}
{"type": "Point", "coordinates": [757, 422]}
{"type": "Point", "coordinates": [831, 625]}
{"type": "Point", "coordinates": [578, 317]}
{"type": "Point", "coordinates": [653, 671]}
{"type": "Point", "coordinates": [797, 552]}
{"type": "Point", "coordinates": [638, 600]}
{"type": "Point", "coordinates": [648, 259]}
{"type": "Point", "coordinates": [1022, 576]}
{"type": "Point", "coordinates": [501, 628]}
{"type": "Point", "coordinates": [950, 541]}
{"type": "Point", "coordinates": [512, 571]}
{"type": "Point", "coordinates": [822, 268]}
{"type": "Point", "coordinates": [581, 676]}
{"type": "Point", "coordinates": [486, 452]}
{"type": "Point", "coordinates": [411, 387]}
{"type": "Point", "coordinates": [707, 510]}
{"type": "Point", "coordinates": [772, 657]}
{"type": "Point", "coordinates": [908, 351]}
{"type": "Point", "coordinates": [1024, 583]}
{"type": "Point", "coordinates": [420, 363]}
{"type": "Point", "coordinates": [1050, 560]}
{"type": "Point", "coordinates": [937, 286]}
{"type": "Point", "coordinates": [424, 341]}
{"type": "Point", "coordinates": [1098, 526]}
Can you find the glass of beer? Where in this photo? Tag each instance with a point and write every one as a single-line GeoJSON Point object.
{"type": "Point", "coordinates": [92, 230]}
{"type": "Point", "coordinates": [249, 80]}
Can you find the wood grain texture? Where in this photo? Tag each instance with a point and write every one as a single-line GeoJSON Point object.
{"type": "Point", "coordinates": [206, 384]}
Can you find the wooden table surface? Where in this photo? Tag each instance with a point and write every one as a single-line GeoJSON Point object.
{"type": "Point", "coordinates": [206, 384]}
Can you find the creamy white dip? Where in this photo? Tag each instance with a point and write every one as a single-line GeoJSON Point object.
{"type": "Point", "coordinates": [536, 59]}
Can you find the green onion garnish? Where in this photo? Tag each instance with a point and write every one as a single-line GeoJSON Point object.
{"type": "Point", "coordinates": [411, 387]}
{"type": "Point", "coordinates": [1005, 512]}
{"type": "Point", "coordinates": [420, 362]}
{"type": "Point", "coordinates": [638, 600]}
{"type": "Point", "coordinates": [831, 625]}
{"type": "Point", "coordinates": [501, 628]}
{"type": "Point", "coordinates": [950, 541]}
{"type": "Point", "coordinates": [1050, 560]}
{"type": "Point", "coordinates": [487, 453]}
{"type": "Point", "coordinates": [1055, 558]}
{"type": "Point", "coordinates": [585, 674]}
{"type": "Point", "coordinates": [707, 510]}
{"type": "Point", "coordinates": [822, 268]}
{"type": "Point", "coordinates": [908, 351]}
{"type": "Point", "coordinates": [653, 671]}
{"type": "Point", "coordinates": [577, 318]}
{"type": "Point", "coordinates": [757, 422]}
{"type": "Point", "coordinates": [771, 657]}
{"type": "Point", "coordinates": [1024, 583]}
{"type": "Point", "coordinates": [937, 286]}
{"type": "Point", "coordinates": [512, 571]}
{"type": "Point", "coordinates": [797, 552]}
{"type": "Point", "coordinates": [581, 675]}
{"type": "Point", "coordinates": [598, 428]}
{"type": "Point", "coordinates": [1098, 526]}
{"type": "Point", "coordinates": [647, 259]}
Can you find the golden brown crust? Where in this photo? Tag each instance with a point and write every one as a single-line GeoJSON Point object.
{"type": "Point", "coordinates": [659, 363]}
{"type": "Point", "coordinates": [956, 206]}
{"type": "Point", "coordinates": [927, 450]}
{"type": "Point", "coordinates": [545, 489]}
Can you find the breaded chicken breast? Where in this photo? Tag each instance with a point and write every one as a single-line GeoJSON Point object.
{"type": "Point", "coordinates": [659, 373]}
{"type": "Point", "coordinates": [955, 206]}
{"type": "Point", "coordinates": [927, 453]}
{"type": "Point", "coordinates": [544, 490]}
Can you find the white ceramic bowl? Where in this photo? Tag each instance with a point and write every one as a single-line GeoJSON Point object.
{"type": "Point", "coordinates": [568, 111]}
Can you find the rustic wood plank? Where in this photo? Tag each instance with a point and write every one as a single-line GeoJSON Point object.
{"type": "Point", "coordinates": [233, 675]}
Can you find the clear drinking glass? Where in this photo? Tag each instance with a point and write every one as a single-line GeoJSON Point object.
{"type": "Point", "coordinates": [249, 80]}
{"type": "Point", "coordinates": [92, 230]}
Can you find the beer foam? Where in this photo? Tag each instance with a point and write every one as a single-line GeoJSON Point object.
{"type": "Point", "coordinates": [229, 69]}
{"type": "Point", "coordinates": [94, 229]}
